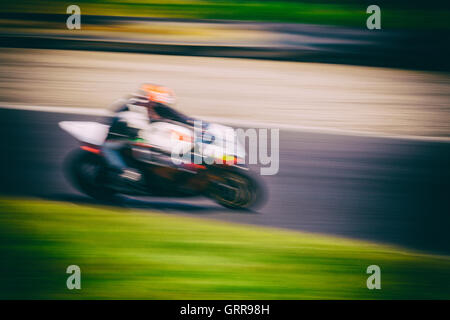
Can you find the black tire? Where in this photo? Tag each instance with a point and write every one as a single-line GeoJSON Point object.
{"type": "Point", "coordinates": [87, 173]}
{"type": "Point", "coordinates": [237, 189]}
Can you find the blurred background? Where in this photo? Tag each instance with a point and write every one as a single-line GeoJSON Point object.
{"type": "Point", "coordinates": [364, 148]}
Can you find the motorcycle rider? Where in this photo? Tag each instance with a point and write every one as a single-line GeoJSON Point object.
{"type": "Point", "coordinates": [150, 103]}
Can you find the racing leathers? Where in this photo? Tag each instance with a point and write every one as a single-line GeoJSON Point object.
{"type": "Point", "coordinates": [132, 118]}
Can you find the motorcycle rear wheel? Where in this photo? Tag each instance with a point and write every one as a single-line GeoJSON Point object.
{"type": "Point", "coordinates": [87, 172]}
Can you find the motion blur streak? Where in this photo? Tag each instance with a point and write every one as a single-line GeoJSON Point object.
{"type": "Point", "coordinates": [386, 190]}
{"type": "Point", "coordinates": [379, 100]}
{"type": "Point", "coordinates": [362, 118]}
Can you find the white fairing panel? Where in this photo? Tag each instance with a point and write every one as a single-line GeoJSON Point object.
{"type": "Point", "coordinates": [88, 132]}
{"type": "Point", "coordinates": [225, 143]}
{"type": "Point", "coordinates": [166, 136]}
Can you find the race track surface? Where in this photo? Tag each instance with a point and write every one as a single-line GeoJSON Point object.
{"type": "Point", "coordinates": [381, 189]}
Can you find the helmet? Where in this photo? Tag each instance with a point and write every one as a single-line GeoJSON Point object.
{"type": "Point", "coordinates": [157, 93]}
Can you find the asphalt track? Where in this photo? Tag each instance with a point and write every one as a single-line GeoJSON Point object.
{"type": "Point", "coordinates": [381, 189]}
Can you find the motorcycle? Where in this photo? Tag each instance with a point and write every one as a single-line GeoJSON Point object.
{"type": "Point", "coordinates": [219, 175]}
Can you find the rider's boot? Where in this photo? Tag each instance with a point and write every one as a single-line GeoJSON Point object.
{"type": "Point", "coordinates": [130, 175]}
{"type": "Point", "coordinates": [123, 179]}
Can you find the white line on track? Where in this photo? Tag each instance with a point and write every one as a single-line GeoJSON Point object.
{"type": "Point", "coordinates": [230, 121]}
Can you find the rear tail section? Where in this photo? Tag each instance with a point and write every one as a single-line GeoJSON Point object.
{"type": "Point", "coordinates": [92, 133]}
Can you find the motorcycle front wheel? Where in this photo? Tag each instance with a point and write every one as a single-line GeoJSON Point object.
{"type": "Point", "coordinates": [234, 189]}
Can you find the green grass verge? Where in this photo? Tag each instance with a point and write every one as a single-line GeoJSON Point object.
{"type": "Point", "coordinates": [348, 13]}
{"type": "Point", "coordinates": [141, 255]}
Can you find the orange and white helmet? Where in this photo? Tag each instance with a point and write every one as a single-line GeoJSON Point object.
{"type": "Point", "coordinates": [157, 93]}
